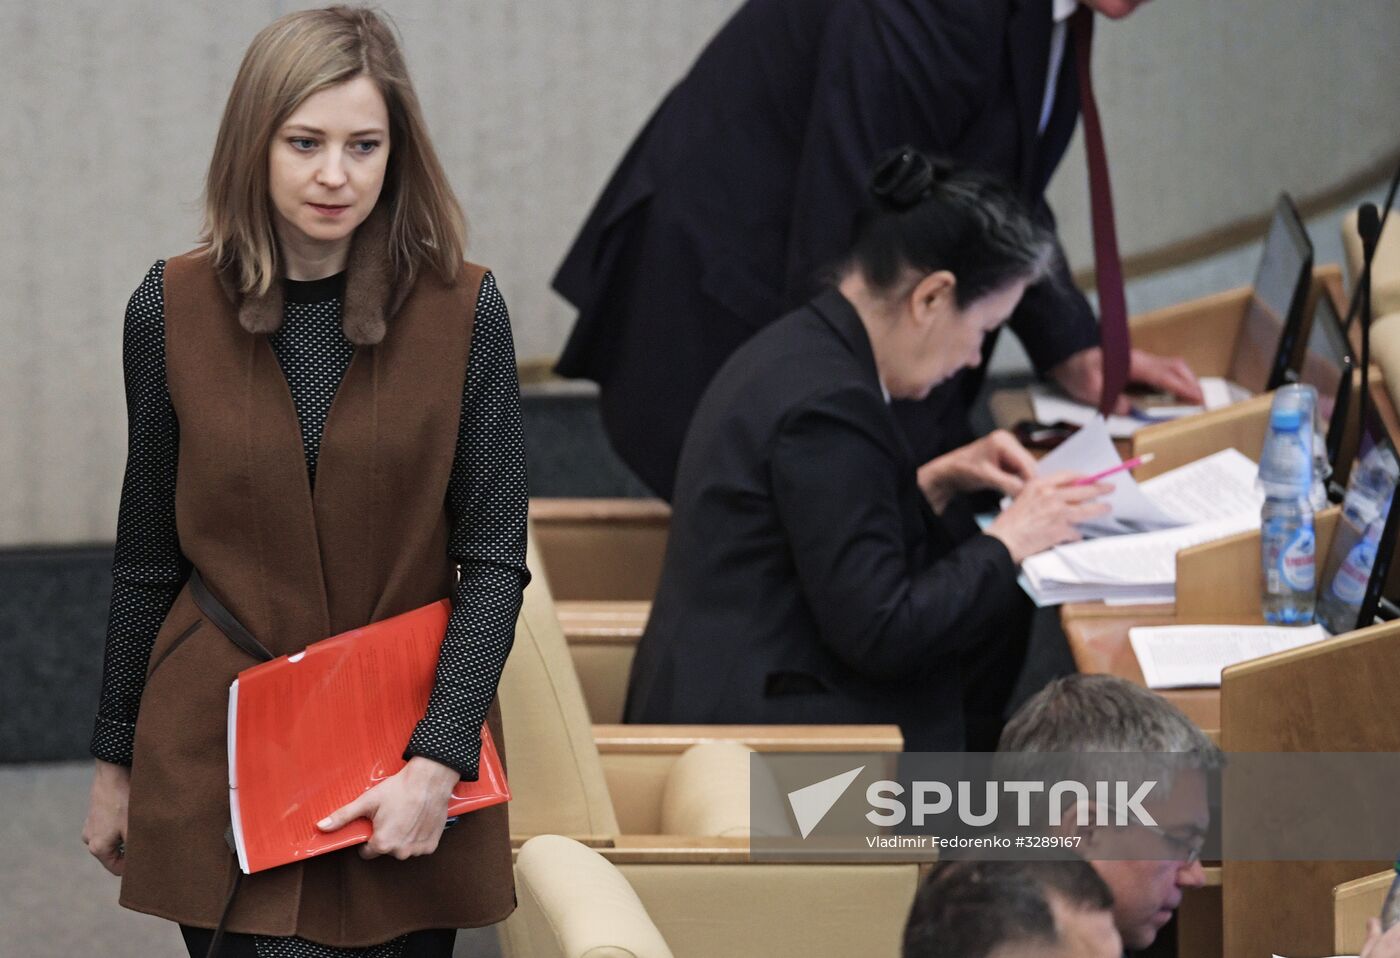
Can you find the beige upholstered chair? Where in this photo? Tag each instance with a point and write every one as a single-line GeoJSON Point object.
{"type": "Point", "coordinates": [1385, 271]}
{"type": "Point", "coordinates": [573, 903]}
{"type": "Point", "coordinates": [668, 805]}
{"type": "Point", "coordinates": [601, 548]}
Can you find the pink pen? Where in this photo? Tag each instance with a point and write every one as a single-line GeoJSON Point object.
{"type": "Point", "coordinates": [1132, 463]}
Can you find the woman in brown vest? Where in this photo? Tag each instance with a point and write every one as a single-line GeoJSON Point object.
{"type": "Point", "coordinates": [325, 425]}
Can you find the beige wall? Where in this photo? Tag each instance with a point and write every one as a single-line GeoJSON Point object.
{"type": "Point", "coordinates": [109, 109]}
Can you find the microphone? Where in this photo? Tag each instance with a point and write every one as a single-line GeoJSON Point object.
{"type": "Point", "coordinates": [1368, 225]}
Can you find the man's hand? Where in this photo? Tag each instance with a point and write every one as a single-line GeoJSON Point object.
{"type": "Point", "coordinates": [1081, 376]}
{"type": "Point", "coordinates": [408, 810]}
{"type": "Point", "coordinates": [996, 461]}
{"type": "Point", "coordinates": [104, 832]}
{"type": "Point", "coordinates": [1380, 945]}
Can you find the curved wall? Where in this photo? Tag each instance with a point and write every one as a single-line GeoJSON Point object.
{"type": "Point", "coordinates": [110, 111]}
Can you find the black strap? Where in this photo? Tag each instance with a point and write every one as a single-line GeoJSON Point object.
{"type": "Point", "coordinates": [217, 613]}
{"type": "Point", "coordinates": [218, 938]}
{"type": "Point", "coordinates": [225, 621]}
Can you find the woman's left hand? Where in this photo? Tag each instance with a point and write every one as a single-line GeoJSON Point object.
{"type": "Point", "coordinates": [996, 461]}
{"type": "Point", "coordinates": [408, 810]}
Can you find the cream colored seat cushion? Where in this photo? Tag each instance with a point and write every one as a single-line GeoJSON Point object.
{"type": "Point", "coordinates": [1385, 272]}
{"type": "Point", "coordinates": [707, 792]}
{"type": "Point", "coordinates": [575, 904]}
{"type": "Point", "coordinates": [1385, 353]}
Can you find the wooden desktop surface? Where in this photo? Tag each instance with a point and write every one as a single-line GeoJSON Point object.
{"type": "Point", "coordinates": [1098, 640]}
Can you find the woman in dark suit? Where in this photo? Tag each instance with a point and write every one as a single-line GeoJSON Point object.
{"type": "Point", "coordinates": [815, 571]}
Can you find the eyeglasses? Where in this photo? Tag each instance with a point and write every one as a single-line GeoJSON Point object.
{"type": "Point", "coordinates": [1187, 851]}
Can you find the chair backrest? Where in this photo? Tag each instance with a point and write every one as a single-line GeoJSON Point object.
{"type": "Point", "coordinates": [574, 904]}
{"type": "Point", "coordinates": [556, 776]}
{"type": "Point", "coordinates": [1353, 903]}
{"type": "Point", "coordinates": [1331, 696]}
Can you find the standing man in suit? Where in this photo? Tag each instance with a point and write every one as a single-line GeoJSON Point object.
{"type": "Point", "coordinates": [742, 190]}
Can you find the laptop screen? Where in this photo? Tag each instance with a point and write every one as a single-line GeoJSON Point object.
{"type": "Point", "coordinates": [1326, 366]}
{"type": "Point", "coordinates": [1275, 310]}
{"type": "Point", "coordinates": [1381, 596]}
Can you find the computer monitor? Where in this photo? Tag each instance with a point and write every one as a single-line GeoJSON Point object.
{"type": "Point", "coordinates": [1326, 366]}
{"type": "Point", "coordinates": [1274, 315]}
{"type": "Point", "coordinates": [1382, 598]}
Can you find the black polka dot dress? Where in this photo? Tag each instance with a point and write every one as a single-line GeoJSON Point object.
{"type": "Point", "coordinates": [486, 505]}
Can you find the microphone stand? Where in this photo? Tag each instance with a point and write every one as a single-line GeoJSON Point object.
{"type": "Point", "coordinates": [1368, 225]}
{"type": "Point", "coordinates": [1364, 277]}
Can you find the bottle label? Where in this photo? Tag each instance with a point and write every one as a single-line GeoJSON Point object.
{"type": "Point", "coordinates": [1296, 562]}
{"type": "Point", "coordinates": [1349, 584]}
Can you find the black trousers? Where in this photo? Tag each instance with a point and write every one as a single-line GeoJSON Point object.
{"type": "Point", "coordinates": [432, 943]}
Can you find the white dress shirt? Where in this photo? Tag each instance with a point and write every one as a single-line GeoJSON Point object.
{"type": "Point", "coordinates": [1061, 12]}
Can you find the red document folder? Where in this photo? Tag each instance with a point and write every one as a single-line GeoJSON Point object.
{"type": "Point", "coordinates": [310, 732]}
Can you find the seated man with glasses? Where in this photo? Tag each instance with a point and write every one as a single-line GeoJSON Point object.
{"type": "Point", "coordinates": [1148, 867]}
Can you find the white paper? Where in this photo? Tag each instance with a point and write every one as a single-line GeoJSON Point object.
{"type": "Point", "coordinates": [1090, 451]}
{"type": "Point", "coordinates": [1219, 392]}
{"type": "Point", "coordinates": [1051, 406]}
{"type": "Point", "coordinates": [1181, 656]}
{"type": "Point", "coordinates": [1215, 487]}
{"type": "Point", "coordinates": [235, 813]}
{"type": "Point", "coordinates": [1128, 569]}
{"type": "Point", "coordinates": [1148, 557]}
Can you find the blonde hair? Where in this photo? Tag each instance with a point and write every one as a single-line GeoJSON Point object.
{"type": "Point", "coordinates": [292, 58]}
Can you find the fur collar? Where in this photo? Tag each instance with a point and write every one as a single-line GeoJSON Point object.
{"type": "Point", "coordinates": [371, 295]}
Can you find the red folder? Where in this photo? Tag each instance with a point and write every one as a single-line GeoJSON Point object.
{"type": "Point", "coordinates": [310, 732]}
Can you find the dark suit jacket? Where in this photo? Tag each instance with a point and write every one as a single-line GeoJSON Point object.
{"type": "Point", "coordinates": [806, 578]}
{"type": "Point", "coordinates": [745, 184]}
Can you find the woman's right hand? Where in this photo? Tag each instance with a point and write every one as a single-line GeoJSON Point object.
{"type": "Point", "coordinates": [1045, 514]}
{"type": "Point", "coordinates": [104, 832]}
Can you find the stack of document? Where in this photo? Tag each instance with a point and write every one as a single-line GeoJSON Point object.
{"type": "Point", "coordinates": [1049, 405]}
{"type": "Point", "coordinates": [1138, 568]}
{"type": "Point", "coordinates": [1218, 486]}
{"type": "Point", "coordinates": [1186, 656]}
{"type": "Point", "coordinates": [1129, 555]}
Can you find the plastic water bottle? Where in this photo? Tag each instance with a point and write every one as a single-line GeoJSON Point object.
{"type": "Point", "coordinates": [1289, 544]}
{"type": "Point", "coordinates": [1345, 587]}
{"type": "Point", "coordinates": [1287, 540]}
{"type": "Point", "coordinates": [1286, 464]}
{"type": "Point", "coordinates": [1348, 567]}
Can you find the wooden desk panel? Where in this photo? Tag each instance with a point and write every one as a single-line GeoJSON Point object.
{"type": "Point", "coordinates": [1099, 644]}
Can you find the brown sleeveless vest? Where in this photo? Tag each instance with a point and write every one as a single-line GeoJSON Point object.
{"type": "Point", "coordinates": [295, 568]}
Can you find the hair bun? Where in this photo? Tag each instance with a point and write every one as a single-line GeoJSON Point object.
{"type": "Point", "coordinates": [904, 176]}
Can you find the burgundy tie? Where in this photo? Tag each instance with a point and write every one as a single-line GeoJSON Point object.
{"type": "Point", "coordinates": [1108, 268]}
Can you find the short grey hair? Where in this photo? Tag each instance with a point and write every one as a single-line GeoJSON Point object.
{"type": "Point", "coordinates": [1103, 713]}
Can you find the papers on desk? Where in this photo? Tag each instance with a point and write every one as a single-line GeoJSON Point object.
{"type": "Point", "coordinates": [1049, 405]}
{"type": "Point", "coordinates": [1126, 569]}
{"type": "Point", "coordinates": [1212, 488]}
{"type": "Point", "coordinates": [1183, 656]}
{"type": "Point", "coordinates": [1129, 555]}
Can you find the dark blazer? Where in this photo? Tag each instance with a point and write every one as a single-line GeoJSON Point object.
{"type": "Point", "coordinates": [745, 184]}
{"type": "Point", "coordinates": [806, 578]}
